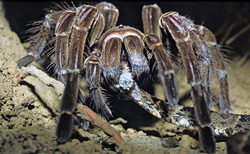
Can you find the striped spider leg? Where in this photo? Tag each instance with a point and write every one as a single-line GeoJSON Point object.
{"type": "Point", "coordinates": [198, 69]}
{"type": "Point", "coordinates": [208, 54]}
{"type": "Point", "coordinates": [219, 67]}
{"type": "Point", "coordinates": [150, 18]}
{"type": "Point", "coordinates": [190, 44]}
{"type": "Point", "coordinates": [203, 56]}
{"type": "Point", "coordinates": [72, 31]}
{"type": "Point", "coordinates": [203, 43]}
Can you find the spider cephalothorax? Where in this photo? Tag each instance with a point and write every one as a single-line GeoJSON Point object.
{"type": "Point", "coordinates": [118, 58]}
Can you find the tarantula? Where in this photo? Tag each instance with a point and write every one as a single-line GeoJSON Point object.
{"type": "Point", "coordinates": [118, 59]}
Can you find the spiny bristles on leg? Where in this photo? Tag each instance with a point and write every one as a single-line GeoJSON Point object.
{"type": "Point", "coordinates": [98, 101]}
{"type": "Point", "coordinates": [60, 7]}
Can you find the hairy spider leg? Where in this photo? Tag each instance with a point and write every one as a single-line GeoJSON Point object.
{"type": "Point", "coordinates": [93, 76]}
{"type": "Point", "coordinates": [172, 22]}
{"type": "Point", "coordinates": [73, 59]}
{"type": "Point", "coordinates": [150, 18]}
{"type": "Point", "coordinates": [88, 22]}
{"type": "Point", "coordinates": [203, 56]}
{"type": "Point", "coordinates": [165, 67]}
{"type": "Point", "coordinates": [62, 32]}
{"type": "Point", "coordinates": [39, 41]}
{"type": "Point", "coordinates": [108, 19]}
{"type": "Point", "coordinates": [219, 67]}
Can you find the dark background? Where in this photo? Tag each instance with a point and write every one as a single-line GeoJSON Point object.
{"type": "Point", "coordinates": [217, 16]}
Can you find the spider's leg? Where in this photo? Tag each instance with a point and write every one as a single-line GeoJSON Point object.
{"type": "Point", "coordinates": [106, 20]}
{"type": "Point", "coordinates": [165, 67]}
{"type": "Point", "coordinates": [97, 29]}
{"type": "Point", "coordinates": [39, 41]}
{"type": "Point", "coordinates": [93, 75]}
{"type": "Point", "coordinates": [150, 16]}
{"type": "Point", "coordinates": [203, 56]}
{"type": "Point", "coordinates": [204, 59]}
{"type": "Point", "coordinates": [69, 97]}
{"type": "Point", "coordinates": [72, 55]}
{"type": "Point", "coordinates": [219, 67]}
{"type": "Point", "coordinates": [110, 13]}
{"type": "Point", "coordinates": [172, 22]}
{"type": "Point", "coordinates": [62, 32]}
{"type": "Point", "coordinates": [109, 62]}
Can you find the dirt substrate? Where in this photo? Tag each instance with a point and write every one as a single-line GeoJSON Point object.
{"type": "Point", "coordinates": [27, 122]}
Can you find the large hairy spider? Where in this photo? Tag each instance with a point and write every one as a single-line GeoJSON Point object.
{"type": "Point", "coordinates": [119, 59]}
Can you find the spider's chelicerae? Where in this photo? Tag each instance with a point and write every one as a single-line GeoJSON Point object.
{"type": "Point", "coordinates": [120, 56]}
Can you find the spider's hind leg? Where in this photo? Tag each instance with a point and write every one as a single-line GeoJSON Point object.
{"type": "Point", "coordinates": [39, 41]}
{"type": "Point", "coordinates": [203, 57]}
{"type": "Point", "coordinates": [219, 67]}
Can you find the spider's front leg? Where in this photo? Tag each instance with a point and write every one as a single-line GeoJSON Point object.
{"type": "Point", "coordinates": [150, 18]}
{"type": "Point", "coordinates": [173, 23]}
{"type": "Point", "coordinates": [93, 76]}
{"type": "Point", "coordinates": [93, 66]}
{"type": "Point", "coordinates": [72, 30]}
{"type": "Point", "coordinates": [73, 27]}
